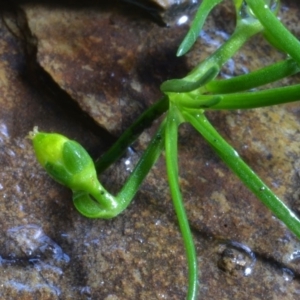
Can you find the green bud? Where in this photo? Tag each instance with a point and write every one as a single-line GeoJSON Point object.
{"type": "Point", "coordinates": [65, 160]}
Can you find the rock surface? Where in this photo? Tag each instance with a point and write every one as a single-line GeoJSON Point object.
{"type": "Point", "coordinates": [111, 62]}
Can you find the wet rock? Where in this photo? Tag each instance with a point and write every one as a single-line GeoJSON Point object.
{"type": "Point", "coordinates": [138, 255]}
{"type": "Point", "coordinates": [109, 61]}
{"type": "Point", "coordinates": [167, 11]}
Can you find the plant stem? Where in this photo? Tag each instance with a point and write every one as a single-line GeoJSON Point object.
{"type": "Point", "coordinates": [242, 33]}
{"type": "Point", "coordinates": [90, 205]}
{"type": "Point", "coordinates": [243, 171]}
{"type": "Point", "coordinates": [209, 68]}
{"type": "Point", "coordinates": [259, 99]}
{"type": "Point", "coordinates": [254, 79]}
{"type": "Point", "coordinates": [240, 100]}
{"type": "Point", "coordinates": [143, 167]}
{"type": "Point", "coordinates": [288, 42]}
{"type": "Point", "coordinates": [131, 134]}
{"type": "Point", "coordinates": [172, 170]}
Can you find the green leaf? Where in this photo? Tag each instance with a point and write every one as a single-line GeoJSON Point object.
{"type": "Point", "coordinates": [184, 86]}
{"type": "Point", "coordinates": [197, 24]}
{"type": "Point", "coordinates": [275, 29]}
{"type": "Point", "coordinates": [254, 79]}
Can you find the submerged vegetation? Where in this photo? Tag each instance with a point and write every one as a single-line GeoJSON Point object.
{"type": "Point", "coordinates": [186, 100]}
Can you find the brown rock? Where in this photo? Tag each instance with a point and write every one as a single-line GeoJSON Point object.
{"type": "Point", "coordinates": [49, 251]}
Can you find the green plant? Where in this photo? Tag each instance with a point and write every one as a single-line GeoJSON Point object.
{"type": "Point", "coordinates": [186, 100]}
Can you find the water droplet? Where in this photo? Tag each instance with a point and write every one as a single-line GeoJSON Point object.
{"type": "Point", "coordinates": [235, 153]}
{"type": "Point", "coordinates": [4, 135]}
{"type": "Point", "coordinates": [245, 12]}
{"type": "Point", "coordinates": [3, 130]}
{"type": "Point", "coordinates": [208, 39]}
{"type": "Point", "coordinates": [140, 240]}
{"type": "Point", "coordinates": [295, 256]}
{"type": "Point", "coordinates": [129, 160]}
{"type": "Point", "coordinates": [288, 275]}
{"type": "Point", "coordinates": [31, 240]}
{"type": "Point", "coordinates": [182, 20]}
{"type": "Point", "coordinates": [10, 153]}
{"type": "Point", "coordinates": [236, 259]}
{"type": "Point", "coordinates": [86, 290]}
{"type": "Point", "coordinates": [161, 295]}
{"type": "Point", "coordinates": [158, 222]}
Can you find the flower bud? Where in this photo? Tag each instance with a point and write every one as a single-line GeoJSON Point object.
{"type": "Point", "coordinates": [65, 160]}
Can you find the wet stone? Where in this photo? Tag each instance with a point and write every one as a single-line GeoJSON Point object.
{"type": "Point", "coordinates": [112, 72]}
{"type": "Point", "coordinates": [34, 244]}
{"type": "Point", "coordinates": [111, 61]}
{"type": "Point", "coordinates": [167, 12]}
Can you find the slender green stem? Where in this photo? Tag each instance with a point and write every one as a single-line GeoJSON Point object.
{"type": "Point", "coordinates": [242, 33]}
{"type": "Point", "coordinates": [143, 167]}
{"type": "Point", "coordinates": [243, 171]}
{"type": "Point", "coordinates": [204, 9]}
{"type": "Point", "coordinates": [260, 98]}
{"type": "Point", "coordinates": [90, 205]}
{"type": "Point", "coordinates": [240, 100]}
{"type": "Point", "coordinates": [131, 134]}
{"type": "Point", "coordinates": [172, 170]}
{"type": "Point", "coordinates": [254, 79]}
{"type": "Point", "coordinates": [209, 68]}
{"type": "Point", "coordinates": [288, 42]}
